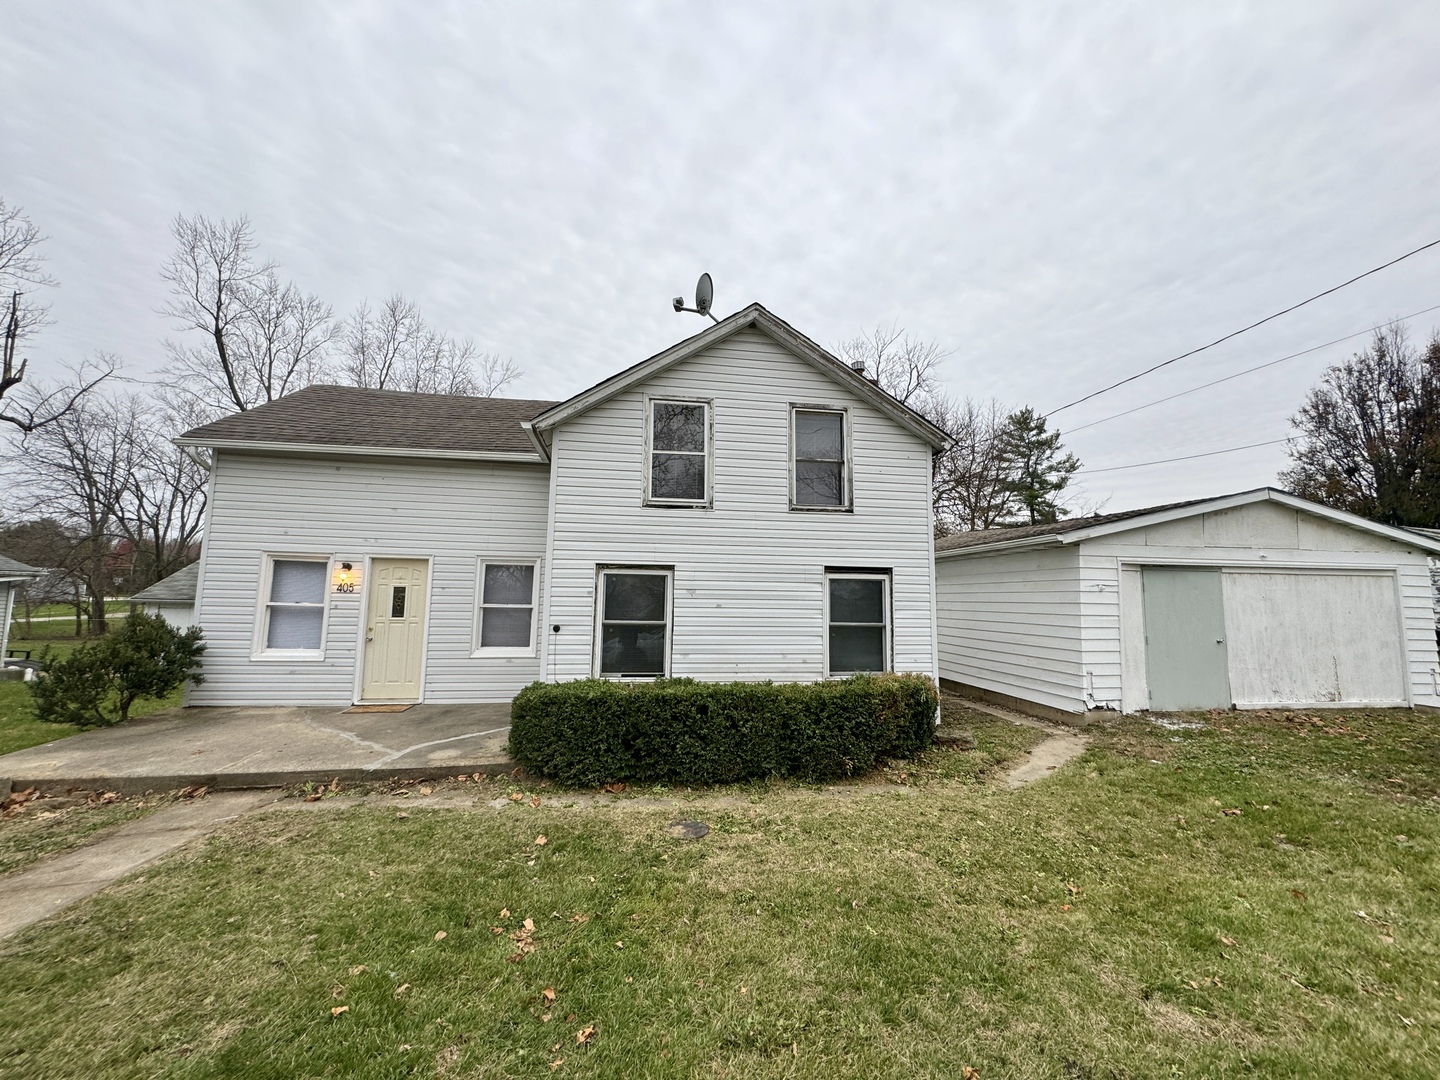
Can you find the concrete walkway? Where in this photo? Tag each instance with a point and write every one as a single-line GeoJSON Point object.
{"type": "Point", "coordinates": [224, 748]}
{"type": "Point", "coordinates": [32, 895]}
{"type": "Point", "coordinates": [1064, 744]}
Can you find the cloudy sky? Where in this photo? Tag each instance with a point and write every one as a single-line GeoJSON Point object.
{"type": "Point", "coordinates": [1060, 195]}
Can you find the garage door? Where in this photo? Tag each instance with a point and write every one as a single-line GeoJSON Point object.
{"type": "Point", "coordinates": [1310, 637]}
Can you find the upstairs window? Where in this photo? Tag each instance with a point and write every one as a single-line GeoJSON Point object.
{"type": "Point", "coordinates": [294, 616]}
{"type": "Point", "coordinates": [820, 474]}
{"type": "Point", "coordinates": [678, 467]}
{"type": "Point", "coordinates": [634, 623]}
{"type": "Point", "coordinates": [507, 607]}
{"type": "Point", "coordinates": [858, 612]}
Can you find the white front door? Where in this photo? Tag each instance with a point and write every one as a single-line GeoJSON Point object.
{"type": "Point", "coordinates": [395, 630]}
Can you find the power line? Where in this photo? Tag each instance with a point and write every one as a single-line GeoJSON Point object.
{"type": "Point", "coordinates": [1245, 329]}
{"type": "Point", "coordinates": [1247, 371]}
{"type": "Point", "coordinates": [1183, 457]}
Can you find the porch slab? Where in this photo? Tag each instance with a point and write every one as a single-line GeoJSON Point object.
{"type": "Point", "coordinates": [253, 747]}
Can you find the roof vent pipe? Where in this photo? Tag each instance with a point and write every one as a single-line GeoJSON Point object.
{"type": "Point", "coordinates": [858, 367]}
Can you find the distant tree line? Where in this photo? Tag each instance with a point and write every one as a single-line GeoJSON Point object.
{"type": "Point", "coordinates": [93, 488]}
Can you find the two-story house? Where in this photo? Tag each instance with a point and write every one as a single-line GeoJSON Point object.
{"type": "Point", "coordinates": [739, 506]}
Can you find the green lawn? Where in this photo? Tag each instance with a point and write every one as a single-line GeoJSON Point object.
{"type": "Point", "coordinates": [1262, 900]}
{"type": "Point", "coordinates": [18, 727]}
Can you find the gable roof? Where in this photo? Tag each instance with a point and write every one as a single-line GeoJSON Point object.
{"type": "Point", "coordinates": [179, 587]}
{"type": "Point", "coordinates": [1086, 528]}
{"type": "Point", "coordinates": [773, 327]}
{"type": "Point", "coordinates": [353, 420]}
{"type": "Point", "coordinates": [11, 570]}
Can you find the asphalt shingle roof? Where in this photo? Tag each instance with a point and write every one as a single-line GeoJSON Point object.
{"type": "Point", "coordinates": [981, 537]}
{"type": "Point", "coordinates": [383, 419]}
{"type": "Point", "coordinates": [177, 588]}
{"type": "Point", "coordinates": [11, 568]}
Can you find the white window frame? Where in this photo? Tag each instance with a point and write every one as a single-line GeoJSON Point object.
{"type": "Point", "coordinates": [846, 486]}
{"type": "Point", "coordinates": [884, 576]}
{"type": "Point", "coordinates": [709, 406]}
{"type": "Point", "coordinates": [668, 573]}
{"type": "Point", "coordinates": [476, 649]}
{"type": "Point", "coordinates": [259, 650]}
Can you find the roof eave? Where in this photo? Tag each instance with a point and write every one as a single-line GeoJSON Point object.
{"type": "Point", "coordinates": [513, 456]}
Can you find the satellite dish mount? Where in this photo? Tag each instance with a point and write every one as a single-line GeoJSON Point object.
{"type": "Point", "coordinates": [704, 297]}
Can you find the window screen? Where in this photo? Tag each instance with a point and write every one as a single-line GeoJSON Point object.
{"type": "Point", "coordinates": [819, 458]}
{"type": "Point", "coordinates": [858, 624]}
{"type": "Point", "coordinates": [507, 605]}
{"type": "Point", "coordinates": [634, 623]}
{"type": "Point", "coordinates": [295, 612]}
{"type": "Point", "coordinates": [679, 451]}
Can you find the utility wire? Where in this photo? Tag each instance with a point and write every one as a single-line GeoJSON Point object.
{"type": "Point", "coordinates": [1183, 457]}
{"type": "Point", "coordinates": [1244, 329]}
{"type": "Point", "coordinates": [1247, 371]}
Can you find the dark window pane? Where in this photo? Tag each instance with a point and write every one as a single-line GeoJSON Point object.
{"type": "Point", "coordinates": [820, 436]}
{"type": "Point", "coordinates": [632, 650]}
{"type": "Point", "coordinates": [678, 427]}
{"type": "Point", "coordinates": [856, 648]}
{"type": "Point", "coordinates": [677, 476]}
{"type": "Point", "coordinates": [293, 582]}
{"type": "Point", "coordinates": [397, 602]}
{"type": "Point", "coordinates": [857, 600]}
{"type": "Point", "coordinates": [294, 628]}
{"type": "Point", "coordinates": [819, 483]}
{"type": "Point", "coordinates": [509, 584]}
{"type": "Point", "coordinates": [506, 627]}
{"type": "Point", "coordinates": [635, 597]}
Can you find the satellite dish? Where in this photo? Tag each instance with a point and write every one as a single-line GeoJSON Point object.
{"type": "Point", "coordinates": [704, 294]}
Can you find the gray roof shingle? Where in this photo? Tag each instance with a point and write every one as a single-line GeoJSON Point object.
{"type": "Point", "coordinates": [350, 416]}
{"type": "Point", "coordinates": [179, 587]}
{"type": "Point", "coordinates": [11, 568]}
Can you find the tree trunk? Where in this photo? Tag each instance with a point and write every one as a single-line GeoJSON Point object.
{"type": "Point", "coordinates": [97, 612]}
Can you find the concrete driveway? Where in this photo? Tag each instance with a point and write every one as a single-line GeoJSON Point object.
{"type": "Point", "coordinates": [267, 747]}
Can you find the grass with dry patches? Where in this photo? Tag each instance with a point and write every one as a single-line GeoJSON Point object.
{"type": "Point", "coordinates": [1183, 903]}
{"type": "Point", "coordinates": [49, 826]}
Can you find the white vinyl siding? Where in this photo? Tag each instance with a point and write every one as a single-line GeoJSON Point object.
{"type": "Point", "coordinates": [452, 512]}
{"type": "Point", "coordinates": [749, 575]}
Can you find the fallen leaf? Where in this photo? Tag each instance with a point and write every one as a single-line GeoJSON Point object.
{"type": "Point", "coordinates": [404, 1047]}
{"type": "Point", "coordinates": [619, 944]}
{"type": "Point", "coordinates": [426, 790]}
{"type": "Point", "coordinates": [969, 1072]}
{"type": "Point", "coordinates": [504, 912]}
{"type": "Point", "coordinates": [557, 1063]}
{"type": "Point", "coordinates": [399, 990]}
{"type": "Point", "coordinates": [1233, 812]}
{"type": "Point", "coordinates": [545, 1019]}
{"type": "Point", "coordinates": [516, 796]}
{"type": "Point", "coordinates": [1298, 895]}
{"type": "Point", "coordinates": [1387, 939]}
{"type": "Point", "coordinates": [440, 935]}
{"type": "Point", "coordinates": [556, 1047]}
{"type": "Point", "coordinates": [615, 788]}
{"type": "Point", "coordinates": [535, 800]}
{"type": "Point", "coordinates": [402, 814]}
{"type": "Point", "coordinates": [1225, 940]}
{"type": "Point", "coordinates": [540, 840]}
{"type": "Point", "coordinates": [359, 969]}
{"type": "Point", "coordinates": [1064, 907]}
{"type": "Point", "coordinates": [497, 929]}
{"type": "Point", "coordinates": [580, 918]}
{"type": "Point", "coordinates": [549, 995]}
{"type": "Point", "coordinates": [338, 1009]}
{"type": "Point", "coordinates": [585, 1034]}
{"type": "Point", "coordinates": [530, 924]}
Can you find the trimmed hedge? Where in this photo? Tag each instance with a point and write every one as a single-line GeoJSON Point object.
{"type": "Point", "coordinates": [595, 731]}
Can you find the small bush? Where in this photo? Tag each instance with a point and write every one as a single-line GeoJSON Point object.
{"type": "Point", "coordinates": [98, 683]}
{"type": "Point", "coordinates": [681, 731]}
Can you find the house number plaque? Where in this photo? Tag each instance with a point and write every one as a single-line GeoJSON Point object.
{"type": "Point", "coordinates": [345, 579]}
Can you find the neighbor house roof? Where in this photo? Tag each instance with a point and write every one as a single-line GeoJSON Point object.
{"type": "Point", "coordinates": [349, 419]}
{"type": "Point", "coordinates": [10, 570]}
{"type": "Point", "coordinates": [1077, 529]}
{"type": "Point", "coordinates": [773, 327]}
{"type": "Point", "coordinates": [178, 588]}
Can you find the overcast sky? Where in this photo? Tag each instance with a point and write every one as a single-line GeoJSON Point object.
{"type": "Point", "coordinates": [1061, 195]}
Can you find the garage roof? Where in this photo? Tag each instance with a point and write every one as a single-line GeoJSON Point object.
{"type": "Point", "coordinates": [1077, 529]}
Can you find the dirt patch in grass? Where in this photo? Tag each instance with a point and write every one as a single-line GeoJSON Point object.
{"type": "Point", "coordinates": [39, 828]}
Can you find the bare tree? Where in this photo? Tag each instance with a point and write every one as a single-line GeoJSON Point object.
{"type": "Point", "coordinates": [905, 367]}
{"type": "Point", "coordinates": [262, 337]}
{"type": "Point", "coordinates": [164, 507]}
{"type": "Point", "coordinates": [972, 482]}
{"type": "Point", "coordinates": [393, 348]}
{"type": "Point", "coordinates": [79, 469]}
{"type": "Point", "coordinates": [22, 269]}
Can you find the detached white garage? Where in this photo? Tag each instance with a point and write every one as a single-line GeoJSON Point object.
{"type": "Point", "coordinates": [1252, 600]}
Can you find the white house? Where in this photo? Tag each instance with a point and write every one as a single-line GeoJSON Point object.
{"type": "Point", "coordinates": [12, 575]}
{"type": "Point", "coordinates": [1251, 600]}
{"type": "Point", "coordinates": [739, 506]}
{"type": "Point", "coordinates": [172, 597]}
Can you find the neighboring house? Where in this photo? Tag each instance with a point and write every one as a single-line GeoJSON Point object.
{"type": "Point", "coordinates": [1249, 600]}
{"type": "Point", "coordinates": [739, 506]}
{"type": "Point", "coordinates": [12, 575]}
{"type": "Point", "coordinates": [173, 597]}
